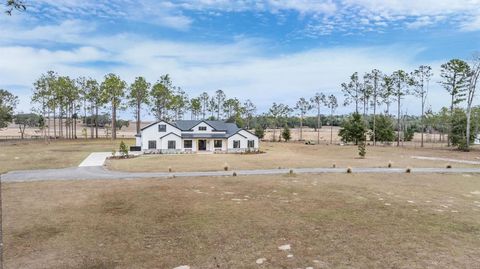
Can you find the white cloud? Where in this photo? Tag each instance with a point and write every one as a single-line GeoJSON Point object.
{"type": "Point", "coordinates": [345, 15]}
{"type": "Point", "coordinates": [238, 68]}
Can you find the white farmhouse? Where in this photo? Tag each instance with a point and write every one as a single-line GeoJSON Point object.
{"type": "Point", "coordinates": [195, 136]}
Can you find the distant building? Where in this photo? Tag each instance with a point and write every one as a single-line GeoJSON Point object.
{"type": "Point", "coordinates": [195, 136]}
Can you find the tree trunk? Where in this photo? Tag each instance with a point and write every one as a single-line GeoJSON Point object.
{"type": "Point", "coordinates": [138, 117]}
{"type": "Point", "coordinates": [422, 119]}
{"type": "Point", "coordinates": [91, 120]}
{"type": "Point", "coordinates": [60, 122]}
{"type": "Point", "coordinates": [331, 128]}
{"type": "Point", "coordinates": [451, 119]}
{"type": "Point", "coordinates": [54, 122]}
{"type": "Point", "coordinates": [398, 121]}
{"type": "Point", "coordinates": [114, 121]}
{"type": "Point", "coordinates": [318, 126]}
{"type": "Point", "coordinates": [301, 128]}
{"type": "Point", "coordinates": [469, 111]}
{"type": "Point", "coordinates": [96, 121]}
{"type": "Point", "coordinates": [374, 116]}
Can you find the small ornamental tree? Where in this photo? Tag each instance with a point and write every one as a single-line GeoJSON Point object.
{"type": "Point", "coordinates": [286, 135]}
{"type": "Point", "coordinates": [353, 129]}
{"type": "Point", "coordinates": [259, 132]}
{"type": "Point", "coordinates": [362, 149]}
{"type": "Point", "coordinates": [384, 131]}
{"type": "Point", "coordinates": [458, 135]}
{"type": "Point", "coordinates": [123, 149]}
{"type": "Point", "coordinates": [28, 120]}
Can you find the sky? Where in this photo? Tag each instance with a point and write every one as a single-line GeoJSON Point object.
{"type": "Point", "coordinates": [266, 50]}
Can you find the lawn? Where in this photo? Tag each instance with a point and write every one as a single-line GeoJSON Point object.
{"type": "Point", "coordinates": [295, 155]}
{"type": "Point", "coordinates": [329, 221]}
{"type": "Point", "coordinates": [56, 154]}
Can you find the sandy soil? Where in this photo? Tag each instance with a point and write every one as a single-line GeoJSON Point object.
{"type": "Point", "coordinates": [327, 221]}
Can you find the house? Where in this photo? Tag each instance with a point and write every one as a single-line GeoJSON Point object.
{"type": "Point", "coordinates": [195, 136]}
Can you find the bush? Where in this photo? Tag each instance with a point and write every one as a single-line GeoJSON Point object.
{"type": "Point", "coordinates": [408, 136]}
{"type": "Point", "coordinates": [286, 135]}
{"type": "Point", "coordinates": [123, 149]}
{"type": "Point", "coordinates": [458, 135]}
{"type": "Point", "coordinates": [353, 129]}
{"type": "Point", "coordinates": [362, 150]}
{"type": "Point", "coordinates": [384, 130]}
{"type": "Point", "coordinates": [259, 132]}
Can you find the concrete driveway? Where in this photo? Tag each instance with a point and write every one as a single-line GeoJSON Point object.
{"type": "Point", "coordinates": [95, 159]}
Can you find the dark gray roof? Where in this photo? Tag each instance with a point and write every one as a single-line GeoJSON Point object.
{"type": "Point", "coordinates": [229, 128]}
{"type": "Point", "coordinates": [192, 135]}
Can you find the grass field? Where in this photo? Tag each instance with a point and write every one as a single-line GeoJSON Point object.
{"type": "Point", "coordinates": [56, 154]}
{"type": "Point", "coordinates": [295, 155]}
{"type": "Point", "coordinates": [330, 221]}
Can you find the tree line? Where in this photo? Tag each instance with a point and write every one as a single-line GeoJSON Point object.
{"type": "Point", "coordinates": [372, 96]}
{"type": "Point", "coordinates": [63, 99]}
{"type": "Point", "coordinates": [377, 89]}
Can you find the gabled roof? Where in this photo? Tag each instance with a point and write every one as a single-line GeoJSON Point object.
{"type": "Point", "coordinates": [153, 123]}
{"type": "Point", "coordinates": [188, 125]}
{"type": "Point", "coordinates": [170, 134]}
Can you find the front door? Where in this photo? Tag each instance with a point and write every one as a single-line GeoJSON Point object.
{"type": "Point", "coordinates": [202, 144]}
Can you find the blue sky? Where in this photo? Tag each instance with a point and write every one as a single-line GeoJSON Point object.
{"type": "Point", "coordinates": [268, 51]}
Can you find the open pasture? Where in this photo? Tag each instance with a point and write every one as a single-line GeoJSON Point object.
{"type": "Point", "coordinates": [290, 221]}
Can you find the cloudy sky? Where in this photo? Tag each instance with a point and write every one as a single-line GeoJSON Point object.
{"type": "Point", "coordinates": [268, 51]}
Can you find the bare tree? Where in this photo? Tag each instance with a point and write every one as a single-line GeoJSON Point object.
{"type": "Point", "coordinates": [401, 81]}
{"type": "Point", "coordinates": [372, 81]}
{"type": "Point", "coordinates": [421, 79]}
{"type": "Point", "coordinates": [332, 104]}
{"type": "Point", "coordinates": [471, 88]}
{"type": "Point", "coordinates": [352, 91]}
{"type": "Point", "coordinates": [303, 106]}
{"type": "Point", "coordinates": [318, 100]}
{"type": "Point", "coordinates": [204, 99]}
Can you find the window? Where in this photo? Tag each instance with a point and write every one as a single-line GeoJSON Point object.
{"type": "Point", "coordinates": [187, 144]}
{"type": "Point", "coordinates": [172, 144]}
{"type": "Point", "coordinates": [202, 128]}
{"type": "Point", "coordinates": [236, 144]}
{"type": "Point", "coordinates": [251, 143]}
{"type": "Point", "coordinates": [217, 143]}
{"type": "Point", "coordinates": [162, 128]}
{"type": "Point", "coordinates": [152, 144]}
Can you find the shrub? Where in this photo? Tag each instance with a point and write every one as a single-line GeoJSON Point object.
{"type": "Point", "coordinates": [349, 170]}
{"type": "Point", "coordinates": [286, 135]}
{"type": "Point", "coordinates": [170, 169]}
{"type": "Point", "coordinates": [225, 167]}
{"type": "Point", "coordinates": [449, 166]}
{"type": "Point", "coordinates": [389, 164]}
{"type": "Point", "coordinates": [353, 129]}
{"type": "Point", "coordinates": [123, 149]}
{"type": "Point", "coordinates": [362, 150]}
{"type": "Point", "coordinates": [290, 172]}
{"type": "Point", "coordinates": [114, 152]}
{"type": "Point", "coordinates": [384, 130]}
{"type": "Point", "coordinates": [408, 170]}
{"type": "Point", "coordinates": [334, 165]}
{"type": "Point", "coordinates": [259, 132]}
{"type": "Point", "coordinates": [234, 174]}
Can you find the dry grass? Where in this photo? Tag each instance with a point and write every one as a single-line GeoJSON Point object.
{"type": "Point", "coordinates": [347, 221]}
{"type": "Point", "coordinates": [56, 154]}
{"type": "Point", "coordinates": [293, 155]}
